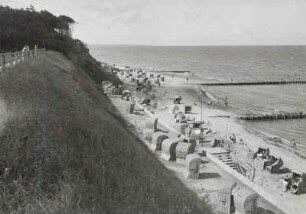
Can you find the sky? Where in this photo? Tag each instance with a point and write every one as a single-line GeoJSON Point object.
{"type": "Point", "coordinates": [181, 22]}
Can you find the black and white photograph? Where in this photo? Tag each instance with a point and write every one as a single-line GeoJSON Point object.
{"type": "Point", "coordinates": [152, 107]}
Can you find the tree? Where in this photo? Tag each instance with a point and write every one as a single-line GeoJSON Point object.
{"type": "Point", "coordinates": [65, 23]}
{"type": "Point", "coordinates": [19, 27]}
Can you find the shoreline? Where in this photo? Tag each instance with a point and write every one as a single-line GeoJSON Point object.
{"type": "Point", "coordinates": [285, 143]}
{"type": "Point", "coordinates": [224, 123]}
{"type": "Point", "coordinates": [194, 84]}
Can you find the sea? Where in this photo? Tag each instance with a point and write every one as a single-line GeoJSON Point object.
{"type": "Point", "coordinates": [232, 63]}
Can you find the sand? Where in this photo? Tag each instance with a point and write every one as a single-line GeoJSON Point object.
{"type": "Point", "coordinates": [223, 123]}
{"type": "Point", "coordinates": [226, 126]}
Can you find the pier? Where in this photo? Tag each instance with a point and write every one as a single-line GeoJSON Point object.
{"type": "Point", "coordinates": [253, 83]}
{"type": "Point", "coordinates": [273, 116]}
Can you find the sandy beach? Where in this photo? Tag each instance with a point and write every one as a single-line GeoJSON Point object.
{"type": "Point", "coordinates": [223, 123]}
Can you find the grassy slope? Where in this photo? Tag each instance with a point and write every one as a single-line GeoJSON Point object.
{"type": "Point", "coordinates": [69, 151]}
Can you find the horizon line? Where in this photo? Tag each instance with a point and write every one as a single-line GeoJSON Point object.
{"type": "Point", "coordinates": [177, 45]}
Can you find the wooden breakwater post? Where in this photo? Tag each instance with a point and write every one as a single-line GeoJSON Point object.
{"type": "Point", "coordinates": [273, 116]}
{"type": "Point", "coordinates": [253, 83]}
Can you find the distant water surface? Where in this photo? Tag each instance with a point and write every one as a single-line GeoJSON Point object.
{"type": "Point", "coordinates": [227, 63]}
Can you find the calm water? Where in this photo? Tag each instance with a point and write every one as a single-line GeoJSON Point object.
{"type": "Point", "coordinates": [232, 63]}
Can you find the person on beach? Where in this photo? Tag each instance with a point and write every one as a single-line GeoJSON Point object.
{"type": "Point", "coordinates": [241, 142]}
{"type": "Point", "coordinates": [294, 144]}
{"type": "Point", "coordinates": [233, 138]}
{"type": "Point", "coordinates": [202, 136]}
{"type": "Point", "coordinates": [286, 184]}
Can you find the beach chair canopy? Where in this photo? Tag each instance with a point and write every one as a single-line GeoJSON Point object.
{"type": "Point", "coordinates": [177, 100]}
{"type": "Point", "coordinates": [175, 109]}
{"type": "Point", "coordinates": [245, 200]}
{"type": "Point", "coordinates": [146, 101]}
{"type": "Point", "coordinates": [183, 149]}
{"type": "Point", "coordinates": [126, 92]}
{"type": "Point", "coordinates": [169, 146]}
{"type": "Point", "coordinates": [188, 109]}
{"type": "Point", "coordinates": [157, 140]}
{"type": "Point", "coordinates": [192, 162]}
{"type": "Point", "coordinates": [195, 124]}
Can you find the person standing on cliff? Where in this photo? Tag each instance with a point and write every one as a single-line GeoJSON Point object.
{"type": "Point", "coordinates": [23, 52]}
{"type": "Point", "coordinates": [35, 50]}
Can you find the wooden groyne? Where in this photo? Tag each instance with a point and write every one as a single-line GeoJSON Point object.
{"type": "Point", "coordinates": [254, 83]}
{"type": "Point", "coordinates": [273, 116]}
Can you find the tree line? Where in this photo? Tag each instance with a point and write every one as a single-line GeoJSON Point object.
{"type": "Point", "coordinates": [19, 27]}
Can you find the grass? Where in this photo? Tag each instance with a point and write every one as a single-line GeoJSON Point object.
{"type": "Point", "coordinates": [63, 148]}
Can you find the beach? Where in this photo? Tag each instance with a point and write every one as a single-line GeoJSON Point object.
{"type": "Point", "coordinates": [231, 63]}
{"type": "Point", "coordinates": [223, 124]}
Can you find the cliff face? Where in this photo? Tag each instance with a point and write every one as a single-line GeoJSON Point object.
{"type": "Point", "coordinates": [64, 149]}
